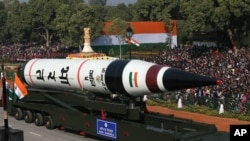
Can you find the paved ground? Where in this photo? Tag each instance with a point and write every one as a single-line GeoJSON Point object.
{"type": "Point", "coordinates": [40, 133]}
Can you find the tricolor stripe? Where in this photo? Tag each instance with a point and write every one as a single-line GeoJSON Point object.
{"type": "Point", "coordinates": [142, 34]}
{"type": "Point", "coordinates": [133, 82]}
{"type": "Point", "coordinates": [142, 27]}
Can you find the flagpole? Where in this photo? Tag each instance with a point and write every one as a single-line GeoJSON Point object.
{"type": "Point", "coordinates": [4, 101]}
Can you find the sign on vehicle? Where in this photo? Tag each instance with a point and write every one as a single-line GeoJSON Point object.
{"type": "Point", "coordinates": [106, 128]}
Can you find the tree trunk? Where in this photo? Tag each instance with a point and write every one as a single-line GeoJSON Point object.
{"type": "Point", "coordinates": [47, 37]}
{"type": "Point", "coordinates": [233, 40]}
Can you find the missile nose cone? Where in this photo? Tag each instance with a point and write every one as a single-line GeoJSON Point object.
{"type": "Point", "coordinates": [175, 79]}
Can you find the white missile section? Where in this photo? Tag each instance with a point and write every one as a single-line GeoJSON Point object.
{"type": "Point", "coordinates": [93, 76]}
{"type": "Point", "coordinates": [129, 77]}
{"type": "Point", "coordinates": [71, 74]}
{"type": "Point", "coordinates": [160, 77]}
{"type": "Point", "coordinates": [135, 77]}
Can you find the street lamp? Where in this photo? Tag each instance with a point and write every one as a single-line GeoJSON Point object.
{"type": "Point", "coordinates": [129, 34]}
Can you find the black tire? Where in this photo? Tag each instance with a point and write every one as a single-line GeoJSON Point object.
{"type": "Point", "coordinates": [28, 117]}
{"type": "Point", "coordinates": [39, 121]}
{"type": "Point", "coordinates": [49, 123]}
{"type": "Point", "coordinates": [18, 114]}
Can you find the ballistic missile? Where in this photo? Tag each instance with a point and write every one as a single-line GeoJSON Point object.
{"type": "Point", "coordinates": [131, 77]}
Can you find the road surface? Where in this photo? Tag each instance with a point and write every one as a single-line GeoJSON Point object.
{"type": "Point", "coordinates": [32, 132]}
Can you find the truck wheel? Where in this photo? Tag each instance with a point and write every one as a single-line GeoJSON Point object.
{"type": "Point", "coordinates": [18, 114]}
{"type": "Point", "coordinates": [49, 123]}
{"type": "Point", "coordinates": [39, 119]}
{"type": "Point", "coordinates": [28, 117]}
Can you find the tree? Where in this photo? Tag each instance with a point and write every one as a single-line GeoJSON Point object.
{"type": "Point", "coordinates": [51, 21]}
{"type": "Point", "coordinates": [3, 19]}
{"type": "Point", "coordinates": [120, 11]}
{"type": "Point", "coordinates": [8, 3]}
{"type": "Point", "coordinates": [155, 10]}
{"type": "Point", "coordinates": [118, 28]}
{"type": "Point", "coordinates": [72, 19]}
{"type": "Point", "coordinates": [97, 2]}
{"type": "Point", "coordinates": [98, 7]}
{"type": "Point", "coordinates": [43, 15]}
{"type": "Point", "coordinates": [18, 22]}
{"type": "Point", "coordinates": [230, 16]}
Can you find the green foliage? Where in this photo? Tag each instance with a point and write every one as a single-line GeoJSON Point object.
{"type": "Point", "coordinates": [230, 16]}
{"type": "Point", "coordinates": [62, 21]}
{"type": "Point", "coordinates": [19, 23]}
{"type": "Point", "coordinates": [120, 11]}
{"type": "Point", "coordinates": [97, 2]}
{"type": "Point", "coordinates": [3, 18]}
{"type": "Point", "coordinates": [51, 21]}
{"type": "Point", "coordinates": [155, 10]}
{"type": "Point", "coordinates": [71, 22]}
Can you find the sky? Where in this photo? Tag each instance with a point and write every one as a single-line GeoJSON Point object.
{"type": "Point", "coordinates": [115, 2]}
{"type": "Point", "coordinates": [109, 2]}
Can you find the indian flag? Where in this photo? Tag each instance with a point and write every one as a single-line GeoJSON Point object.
{"type": "Point", "coordinates": [133, 82]}
{"type": "Point", "coordinates": [133, 41]}
{"type": "Point", "coordinates": [142, 34]}
{"type": "Point", "coordinates": [19, 88]}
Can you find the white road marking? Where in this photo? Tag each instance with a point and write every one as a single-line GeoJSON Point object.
{"type": "Point", "coordinates": [35, 134]}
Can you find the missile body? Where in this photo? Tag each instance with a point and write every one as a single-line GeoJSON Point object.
{"type": "Point", "coordinates": [132, 77]}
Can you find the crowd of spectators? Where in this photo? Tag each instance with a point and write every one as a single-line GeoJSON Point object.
{"type": "Point", "coordinates": [232, 67]}
{"type": "Point", "coordinates": [22, 52]}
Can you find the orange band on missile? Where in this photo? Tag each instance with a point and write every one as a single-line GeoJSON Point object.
{"type": "Point", "coordinates": [78, 74]}
{"type": "Point", "coordinates": [30, 71]}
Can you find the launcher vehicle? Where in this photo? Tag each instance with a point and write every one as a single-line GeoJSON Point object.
{"type": "Point", "coordinates": [104, 98]}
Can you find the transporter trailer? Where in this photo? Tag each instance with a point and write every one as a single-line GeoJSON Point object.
{"type": "Point", "coordinates": [104, 98]}
{"type": "Point", "coordinates": [102, 118]}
